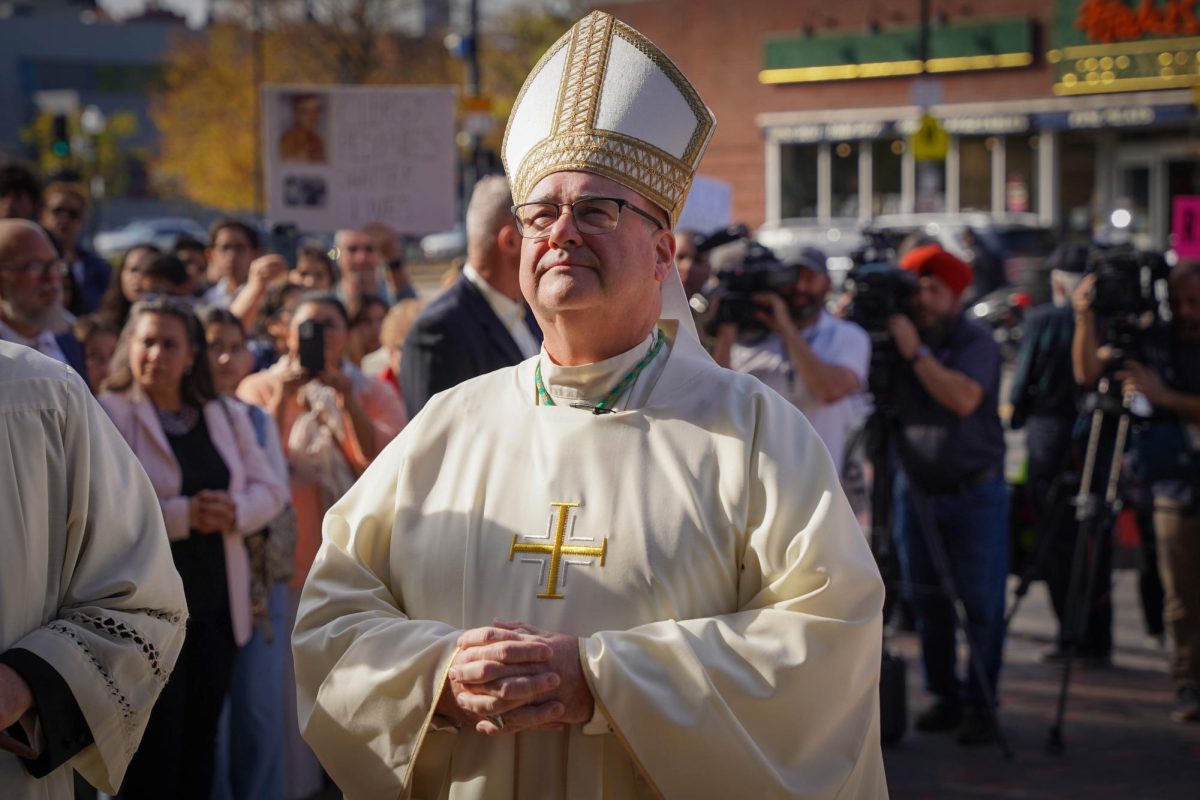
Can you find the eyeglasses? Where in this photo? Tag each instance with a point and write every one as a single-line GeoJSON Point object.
{"type": "Point", "coordinates": [55, 267]}
{"type": "Point", "coordinates": [591, 214]}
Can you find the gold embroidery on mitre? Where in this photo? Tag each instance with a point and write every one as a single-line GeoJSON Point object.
{"type": "Point", "coordinates": [557, 548]}
{"type": "Point", "coordinates": [583, 76]}
{"type": "Point", "coordinates": [651, 172]}
{"type": "Point", "coordinates": [574, 142]}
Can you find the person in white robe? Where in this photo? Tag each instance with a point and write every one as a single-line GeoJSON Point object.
{"type": "Point", "coordinates": [614, 570]}
{"type": "Point", "coordinates": [92, 612]}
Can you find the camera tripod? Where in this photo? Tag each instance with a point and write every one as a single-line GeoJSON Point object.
{"type": "Point", "coordinates": [879, 432]}
{"type": "Point", "coordinates": [1093, 513]}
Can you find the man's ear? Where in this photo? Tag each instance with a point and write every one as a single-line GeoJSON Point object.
{"type": "Point", "coordinates": [664, 254]}
{"type": "Point", "coordinates": [508, 240]}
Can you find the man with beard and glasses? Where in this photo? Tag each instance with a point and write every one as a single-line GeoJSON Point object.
{"type": "Point", "coordinates": [809, 356]}
{"type": "Point", "coordinates": [951, 487]}
{"type": "Point", "coordinates": [31, 312]}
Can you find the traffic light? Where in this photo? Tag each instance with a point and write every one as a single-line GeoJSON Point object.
{"type": "Point", "coordinates": [60, 136]}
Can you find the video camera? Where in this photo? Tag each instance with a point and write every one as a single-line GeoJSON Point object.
{"type": "Point", "coordinates": [1128, 295]}
{"type": "Point", "coordinates": [758, 270]}
{"type": "Point", "coordinates": [880, 291]}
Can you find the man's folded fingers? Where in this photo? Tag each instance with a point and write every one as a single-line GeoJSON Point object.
{"type": "Point", "coordinates": [513, 651]}
{"type": "Point", "coordinates": [481, 672]}
{"type": "Point", "coordinates": [520, 688]}
{"type": "Point", "coordinates": [522, 718]}
{"type": "Point", "coordinates": [481, 636]}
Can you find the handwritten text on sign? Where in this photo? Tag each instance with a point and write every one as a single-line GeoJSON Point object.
{"type": "Point", "coordinates": [342, 156]}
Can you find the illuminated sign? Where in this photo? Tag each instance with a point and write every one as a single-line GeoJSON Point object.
{"type": "Point", "coordinates": [1101, 46]}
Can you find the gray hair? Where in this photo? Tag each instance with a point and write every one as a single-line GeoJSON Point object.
{"type": "Point", "coordinates": [488, 212]}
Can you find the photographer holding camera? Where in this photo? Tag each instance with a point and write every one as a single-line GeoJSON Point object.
{"type": "Point", "coordinates": [1167, 448]}
{"type": "Point", "coordinates": [803, 352]}
{"type": "Point", "coordinates": [951, 449]}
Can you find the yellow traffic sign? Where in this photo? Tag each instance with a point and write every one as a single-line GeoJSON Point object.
{"type": "Point", "coordinates": [930, 142]}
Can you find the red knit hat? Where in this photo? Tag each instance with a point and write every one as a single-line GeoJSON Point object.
{"type": "Point", "coordinates": [931, 259]}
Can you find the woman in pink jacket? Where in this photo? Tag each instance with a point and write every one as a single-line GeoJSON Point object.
{"type": "Point", "coordinates": [215, 486]}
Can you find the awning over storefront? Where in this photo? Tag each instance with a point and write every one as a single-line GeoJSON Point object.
{"type": "Point", "coordinates": [1134, 110]}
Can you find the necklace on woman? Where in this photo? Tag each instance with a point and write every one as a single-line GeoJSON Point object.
{"type": "Point", "coordinates": [605, 405]}
{"type": "Point", "coordinates": [178, 423]}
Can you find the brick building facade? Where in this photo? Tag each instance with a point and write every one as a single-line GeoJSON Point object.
{"type": "Point", "coordinates": [816, 103]}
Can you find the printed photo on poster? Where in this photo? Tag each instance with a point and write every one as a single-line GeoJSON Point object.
{"type": "Point", "coordinates": [304, 140]}
{"type": "Point", "coordinates": [304, 191]}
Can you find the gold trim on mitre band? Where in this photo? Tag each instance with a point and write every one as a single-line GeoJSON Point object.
{"type": "Point", "coordinates": [573, 141]}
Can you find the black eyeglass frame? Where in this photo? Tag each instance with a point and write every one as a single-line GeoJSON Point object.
{"type": "Point", "coordinates": [622, 204]}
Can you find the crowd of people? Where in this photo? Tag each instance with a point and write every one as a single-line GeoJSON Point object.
{"type": "Point", "coordinates": [195, 355]}
{"type": "Point", "coordinates": [260, 396]}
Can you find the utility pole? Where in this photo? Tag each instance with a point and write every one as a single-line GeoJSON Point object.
{"type": "Point", "coordinates": [257, 68]}
{"type": "Point", "coordinates": [923, 35]}
{"type": "Point", "coordinates": [472, 54]}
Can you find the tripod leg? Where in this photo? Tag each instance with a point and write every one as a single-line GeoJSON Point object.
{"type": "Point", "coordinates": [1048, 512]}
{"type": "Point", "coordinates": [936, 548]}
{"type": "Point", "coordinates": [1088, 542]}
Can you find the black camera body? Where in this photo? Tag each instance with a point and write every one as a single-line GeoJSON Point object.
{"type": "Point", "coordinates": [760, 271]}
{"type": "Point", "coordinates": [1127, 295]}
{"type": "Point", "coordinates": [1125, 280]}
{"type": "Point", "coordinates": [880, 291]}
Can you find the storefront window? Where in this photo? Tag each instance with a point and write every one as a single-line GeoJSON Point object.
{"type": "Point", "coordinates": [1131, 211]}
{"type": "Point", "coordinates": [975, 173]}
{"type": "Point", "coordinates": [1020, 173]}
{"type": "Point", "coordinates": [844, 179]}
{"type": "Point", "coordinates": [931, 186]}
{"type": "Point", "coordinates": [798, 191]}
{"type": "Point", "coordinates": [1077, 183]}
{"type": "Point", "coordinates": [886, 158]}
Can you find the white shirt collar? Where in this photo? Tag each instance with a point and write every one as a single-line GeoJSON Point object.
{"type": "Point", "coordinates": [44, 342]}
{"type": "Point", "coordinates": [510, 313]}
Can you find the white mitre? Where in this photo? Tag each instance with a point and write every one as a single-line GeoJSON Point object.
{"type": "Point", "coordinates": [604, 99]}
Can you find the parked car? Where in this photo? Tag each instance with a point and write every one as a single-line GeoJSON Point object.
{"type": "Point", "coordinates": [159, 231]}
{"type": "Point", "coordinates": [445, 245]}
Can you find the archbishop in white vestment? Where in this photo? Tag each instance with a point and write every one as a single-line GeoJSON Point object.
{"type": "Point", "coordinates": [92, 611]}
{"type": "Point", "coordinates": [694, 535]}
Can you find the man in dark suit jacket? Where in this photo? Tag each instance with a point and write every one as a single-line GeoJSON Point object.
{"type": "Point", "coordinates": [481, 323]}
{"type": "Point", "coordinates": [31, 275]}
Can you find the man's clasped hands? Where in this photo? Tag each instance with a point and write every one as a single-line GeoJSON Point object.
{"type": "Point", "coordinates": [512, 677]}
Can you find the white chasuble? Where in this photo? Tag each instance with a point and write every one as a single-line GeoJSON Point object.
{"type": "Point", "coordinates": [87, 584]}
{"type": "Point", "coordinates": [698, 542]}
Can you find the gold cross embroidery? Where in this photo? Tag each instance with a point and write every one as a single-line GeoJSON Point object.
{"type": "Point", "coordinates": [557, 549]}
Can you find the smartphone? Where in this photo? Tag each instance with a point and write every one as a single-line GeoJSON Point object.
{"type": "Point", "coordinates": [285, 239]}
{"type": "Point", "coordinates": [312, 346]}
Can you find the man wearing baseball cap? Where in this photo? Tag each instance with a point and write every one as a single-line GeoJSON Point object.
{"type": "Point", "coordinates": [951, 448]}
{"type": "Point", "coordinates": [812, 358]}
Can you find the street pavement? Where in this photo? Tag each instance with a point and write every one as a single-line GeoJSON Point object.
{"type": "Point", "coordinates": [1120, 741]}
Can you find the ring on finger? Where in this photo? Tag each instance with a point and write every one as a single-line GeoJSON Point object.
{"type": "Point", "coordinates": [497, 720]}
